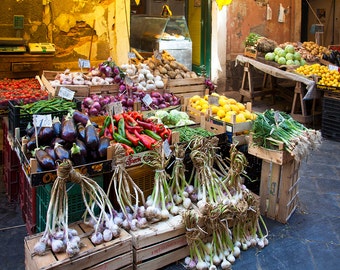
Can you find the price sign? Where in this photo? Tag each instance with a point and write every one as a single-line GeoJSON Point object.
{"type": "Point", "coordinates": [128, 81]}
{"type": "Point", "coordinates": [147, 100]}
{"type": "Point", "coordinates": [332, 67]}
{"type": "Point", "coordinates": [166, 148]}
{"type": "Point", "coordinates": [117, 107]}
{"type": "Point", "coordinates": [213, 100]}
{"type": "Point", "coordinates": [84, 63]}
{"type": "Point", "coordinates": [131, 55]}
{"type": "Point", "coordinates": [157, 54]}
{"type": "Point", "coordinates": [42, 120]}
{"type": "Point", "coordinates": [66, 93]}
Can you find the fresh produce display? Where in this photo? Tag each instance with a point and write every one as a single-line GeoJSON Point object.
{"type": "Point", "coordinates": [314, 49]}
{"type": "Point", "coordinates": [223, 108]}
{"type": "Point", "coordinates": [57, 235]}
{"type": "Point", "coordinates": [134, 132]}
{"type": "Point", "coordinates": [173, 118]}
{"type": "Point", "coordinates": [186, 133]}
{"type": "Point", "coordinates": [106, 73]}
{"type": "Point", "coordinates": [47, 105]}
{"type": "Point", "coordinates": [333, 57]}
{"type": "Point", "coordinates": [326, 76]}
{"type": "Point", "coordinates": [132, 214]}
{"type": "Point", "coordinates": [260, 43]}
{"type": "Point", "coordinates": [167, 67]}
{"type": "Point", "coordinates": [21, 90]}
{"type": "Point", "coordinates": [286, 56]}
{"type": "Point", "coordinates": [95, 105]}
{"type": "Point", "coordinates": [221, 198]}
{"type": "Point", "coordinates": [297, 139]}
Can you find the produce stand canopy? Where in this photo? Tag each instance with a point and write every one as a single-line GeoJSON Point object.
{"type": "Point", "coordinates": [278, 73]}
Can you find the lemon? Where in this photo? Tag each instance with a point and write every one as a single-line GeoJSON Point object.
{"type": "Point", "coordinates": [232, 101]}
{"type": "Point", "coordinates": [226, 107]}
{"type": "Point", "coordinates": [214, 109]}
{"type": "Point", "coordinates": [227, 118]}
{"type": "Point", "coordinates": [215, 94]}
{"type": "Point", "coordinates": [217, 117]}
{"type": "Point", "coordinates": [240, 118]}
{"type": "Point", "coordinates": [203, 110]}
{"type": "Point", "coordinates": [205, 106]}
{"type": "Point", "coordinates": [220, 113]}
{"type": "Point", "coordinates": [194, 98]}
{"type": "Point", "coordinates": [240, 106]}
{"type": "Point", "coordinates": [222, 101]}
{"type": "Point", "coordinates": [247, 114]}
{"type": "Point", "coordinates": [206, 97]}
{"type": "Point", "coordinates": [234, 108]}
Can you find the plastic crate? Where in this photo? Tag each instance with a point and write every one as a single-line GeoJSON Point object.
{"type": "Point", "coordinates": [330, 125]}
{"type": "Point", "coordinates": [18, 120]}
{"type": "Point", "coordinates": [11, 180]}
{"type": "Point", "coordinates": [76, 206]}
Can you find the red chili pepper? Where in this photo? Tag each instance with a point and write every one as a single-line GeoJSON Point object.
{"type": "Point", "coordinates": [150, 125]}
{"type": "Point", "coordinates": [166, 134]}
{"type": "Point", "coordinates": [131, 129]}
{"type": "Point", "coordinates": [129, 119]}
{"type": "Point", "coordinates": [128, 150]}
{"type": "Point", "coordinates": [159, 128]}
{"type": "Point", "coordinates": [136, 115]}
{"type": "Point", "coordinates": [117, 117]}
{"type": "Point", "coordinates": [148, 142]}
{"type": "Point", "coordinates": [112, 128]}
{"type": "Point", "coordinates": [132, 137]}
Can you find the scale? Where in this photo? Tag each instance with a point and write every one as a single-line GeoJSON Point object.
{"type": "Point", "coordinates": [41, 48]}
{"type": "Point", "coordinates": [12, 45]}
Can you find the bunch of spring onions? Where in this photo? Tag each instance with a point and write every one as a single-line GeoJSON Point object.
{"type": "Point", "coordinates": [132, 213]}
{"type": "Point", "coordinates": [298, 140]}
{"type": "Point", "coordinates": [220, 227]}
{"type": "Point", "coordinates": [57, 235]}
{"type": "Point", "coordinates": [183, 193]}
{"type": "Point", "coordinates": [160, 201]}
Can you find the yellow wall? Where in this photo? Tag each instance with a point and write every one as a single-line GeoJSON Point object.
{"type": "Point", "coordinates": [194, 24]}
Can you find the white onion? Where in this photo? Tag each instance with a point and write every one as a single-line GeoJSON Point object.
{"type": "Point", "coordinates": [107, 235]}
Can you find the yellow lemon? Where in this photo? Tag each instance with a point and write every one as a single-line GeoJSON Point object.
{"type": "Point", "coordinates": [232, 101]}
{"type": "Point", "coordinates": [217, 117]}
{"type": "Point", "coordinates": [205, 106]}
{"type": "Point", "coordinates": [215, 94]}
{"type": "Point", "coordinates": [198, 107]}
{"type": "Point", "coordinates": [240, 106]}
{"type": "Point", "coordinates": [203, 110]}
{"type": "Point", "coordinates": [247, 114]}
{"type": "Point", "coordinates": [227, 118]}
{"type": "Point", "coordinates": [206, 97]}
{"type": "Point", "coordinates": [220, 113]}
{"type": "Point", "coordinates": [226, 107]}
{"type": "Point", "coordinates": [234, 108]}
{"type": "Point", "coordinates": [194, 98]}
{"type": "Point", "coordinates": [240, 118]}
{"type": "Point", "coordinates": [222, 101]}
{"type": "Point", "coordinates": [214, 109]}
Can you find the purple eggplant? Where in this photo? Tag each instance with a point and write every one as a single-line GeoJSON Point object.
{"type": "Point", "coordinates": [68, 129]}
{"type": "Point", "coordinates": [32, 143]}
{"type": "Point", "coordinates": [45, 161]}
{"type": "Point", "coordinates": [80, 117]}
{"type": "Point", "coordinates": [81, 131]}
{"type": "Point", "coordinates": [93, 156]}
{"type": "Point", "coordinates": [46, 134]}
{"type": "Point", "coordinates": [60, 152]}
{"type": "Point", "coordinates": [82, 146]}
{"type": "Point", "coordinates": [57, 140]}
{"type": "Point", "coordinates": [56, 125]}
{"type": "Point", "coordinates": [49, 150]}
{"type": "Point", "coordinates": [76, 156]}
{"type": "Point", "coordinates": [30, 130]}
{"type": "Point", "coordinates": [104, 143]}
{"type": "Point", "coordinates": [91, 136]}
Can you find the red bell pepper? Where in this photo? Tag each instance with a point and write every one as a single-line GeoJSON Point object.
{"type": "Point", "coordinates": [136, 115]}
{"type": "Point", "coordinates": [132, 137]}
{"type": "Point", "coordinates": [166, 134]}
{"type": "Point", "coordinates": [129, 119]}
{"type": "Point", "coordinates": [148, 142]}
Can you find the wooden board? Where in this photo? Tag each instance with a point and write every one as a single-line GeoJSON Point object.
{"type": "Point", "coordinates": [187, 87]}
{"type": "Point", "coordinates": [116, 253]}
{"type": "Point", "coordinates": [160, 244]}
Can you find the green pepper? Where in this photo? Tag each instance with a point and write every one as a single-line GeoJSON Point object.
{"type": "Point", "coordinates": [152, 134]}
{"type": "Point", "coordinates": [121, 127]}
{"type": "Point", "coordinates": [118, 138]}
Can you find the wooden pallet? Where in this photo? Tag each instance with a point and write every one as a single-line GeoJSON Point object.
{"type": "Point", "coordinates": [115, 254]}
{"type": "Point", "coordinates": [161, 244]}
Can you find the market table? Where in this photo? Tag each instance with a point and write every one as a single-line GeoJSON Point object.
{"type": "Point", "coordinates": [305, 89]}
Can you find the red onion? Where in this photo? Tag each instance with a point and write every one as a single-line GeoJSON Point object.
{"type": "Point", "coordinates": [88, 101]}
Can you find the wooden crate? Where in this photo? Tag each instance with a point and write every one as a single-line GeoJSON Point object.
{"type": "Point", "coordinates": [187, 87]}
{"type": "Point", "coordinates": [115, 254]}
{"type": "Point", "coordinates": [80, 90]}
{"type": "Point", "coordinates": [279, 182]}
{"type": "Point", "coordinates": [279, 189]}
{"type": "Point", "coordinates": [159, 245]}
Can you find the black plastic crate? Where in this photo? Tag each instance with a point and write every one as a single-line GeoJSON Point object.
{"type": "Point", "coordinates": [330, 125]}
{"type": "Point", "coordinates": [18, 120]}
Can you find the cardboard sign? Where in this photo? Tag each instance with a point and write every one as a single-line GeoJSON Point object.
{"type": "Point", "coordinates": [42, 120]}
{"type": "Point", "coordinates": [66, 93]}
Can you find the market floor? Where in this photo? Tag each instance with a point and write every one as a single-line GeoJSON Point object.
{"type": "Point", "coordinates": [310, 239]}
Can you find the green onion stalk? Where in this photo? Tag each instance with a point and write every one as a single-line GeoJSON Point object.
{"type": "Point", "coordinates": [298, 140]}
{"type": "Point", "coordinates": [126, 191]}
{"type": "Point", "coordinates": [160, 200]}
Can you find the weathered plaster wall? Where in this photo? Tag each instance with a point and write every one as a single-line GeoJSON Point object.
{"type": "Point", "coordinates": [88, 29]}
